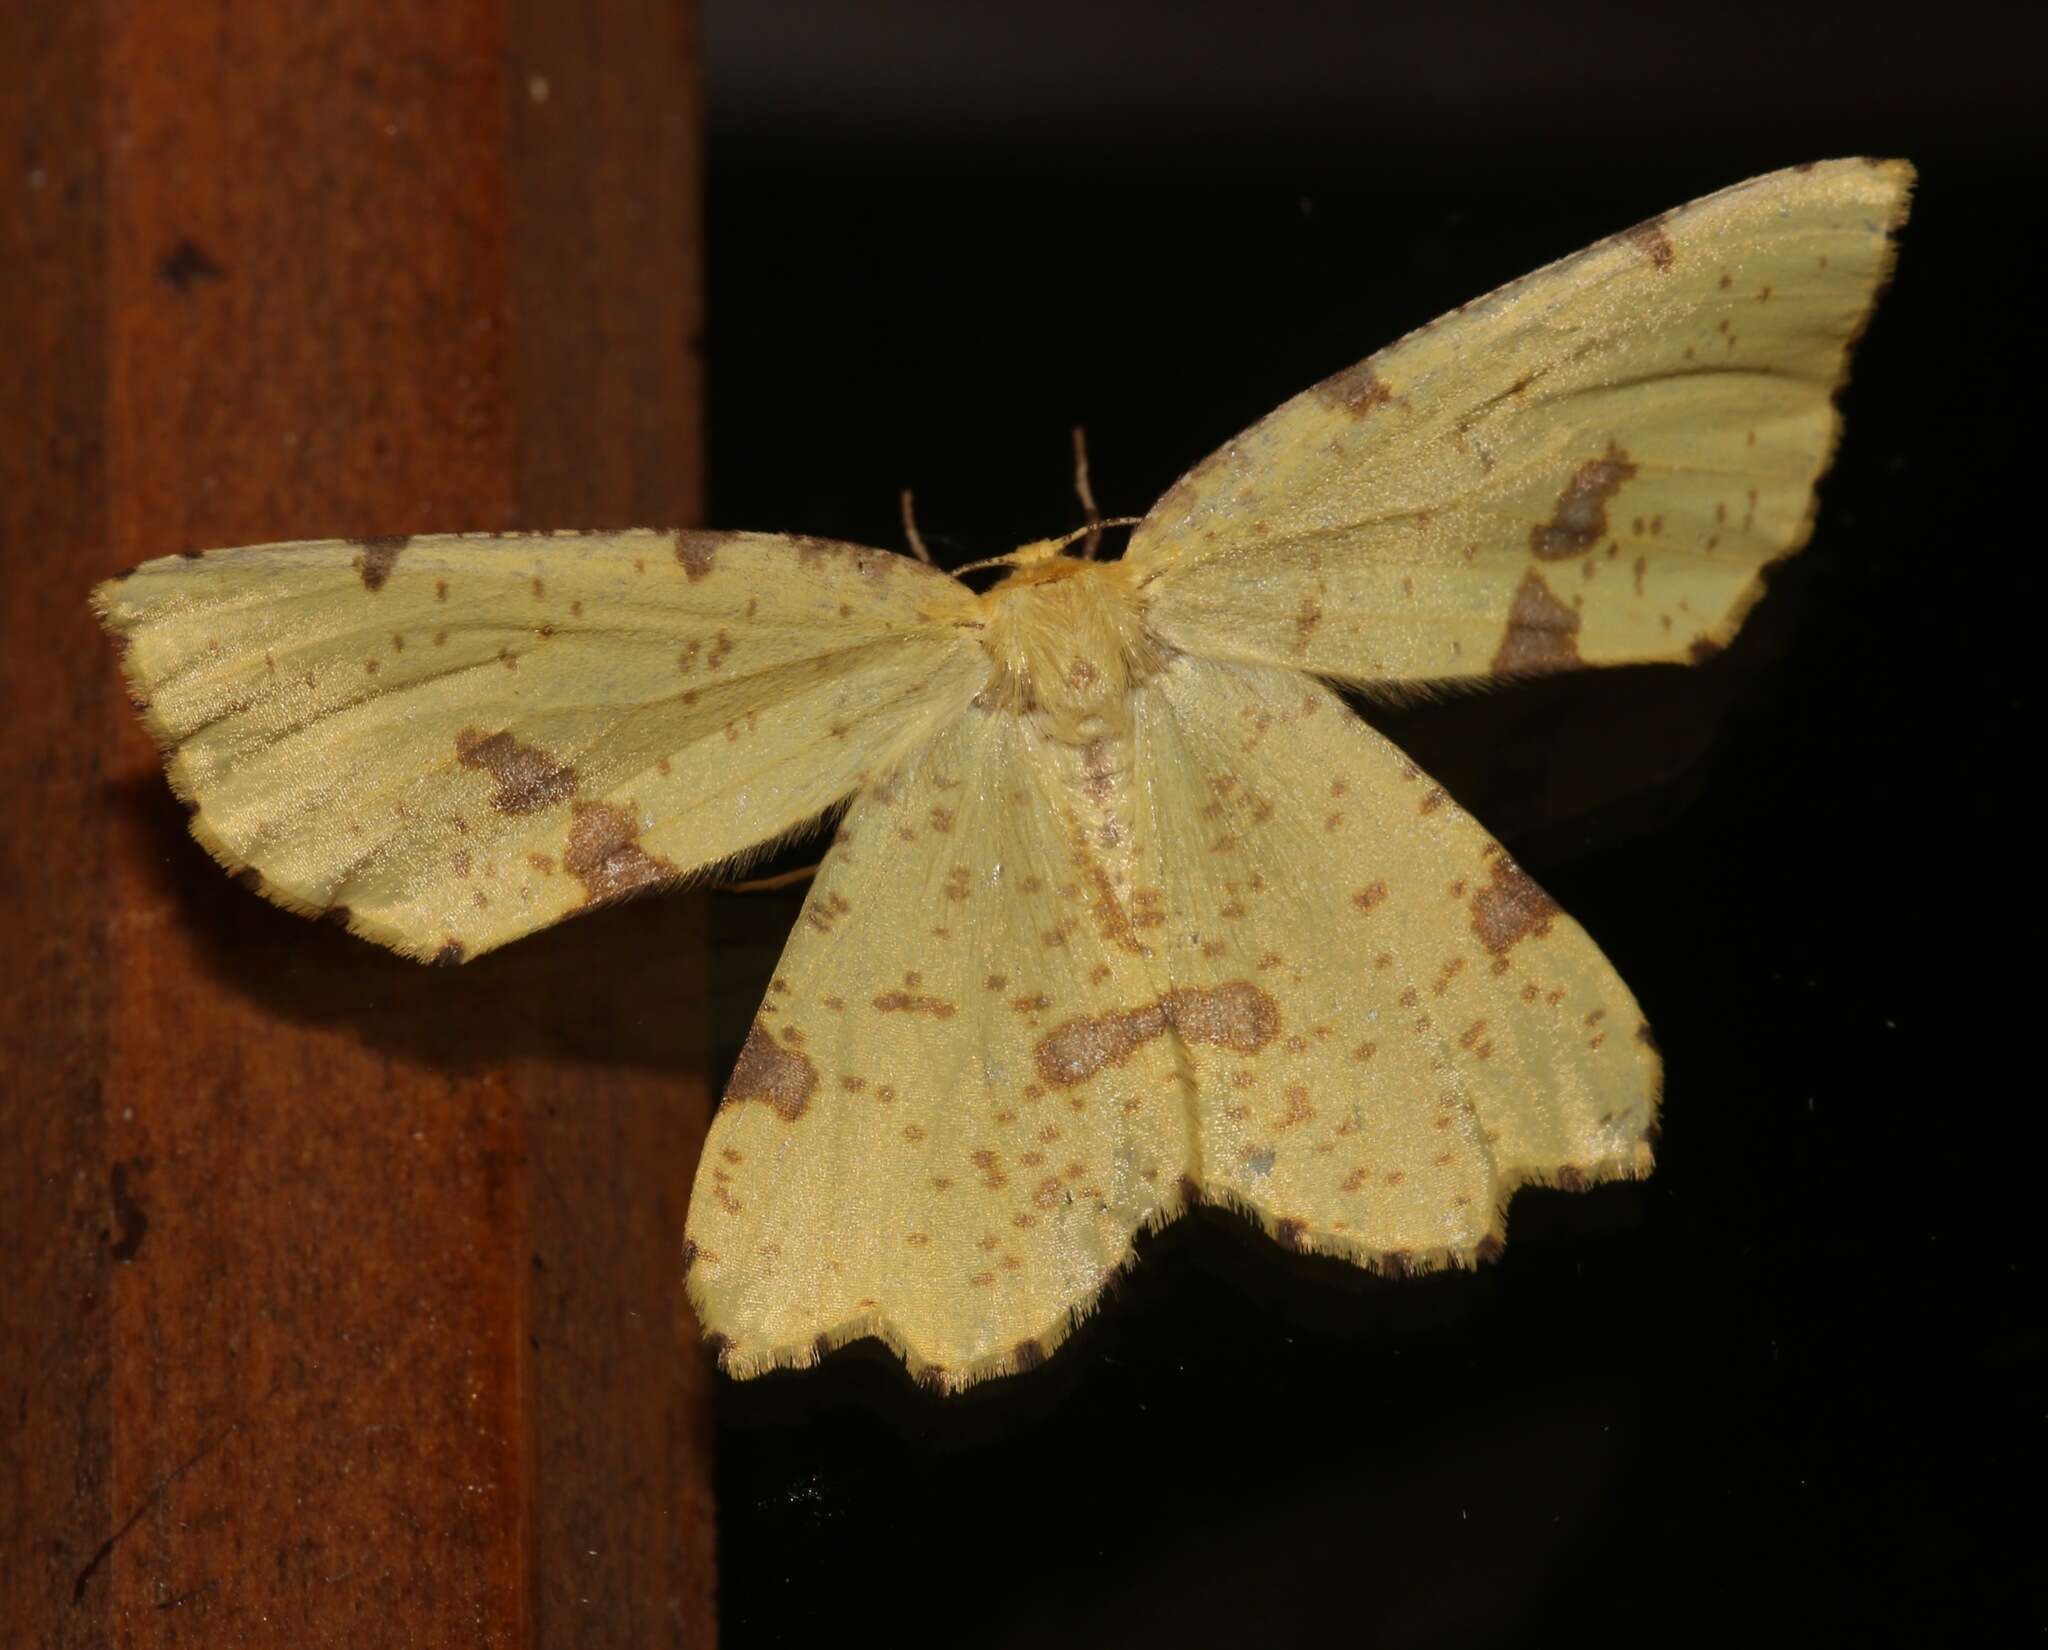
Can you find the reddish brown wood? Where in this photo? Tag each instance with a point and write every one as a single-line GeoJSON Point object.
{"type": "Point", "coordinates": [382, 1338]}
{"type": "Point", "coordinates": [60, 708]}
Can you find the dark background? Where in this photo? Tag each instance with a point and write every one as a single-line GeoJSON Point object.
{"type": "Point", "coordinates": [1789, 1388]}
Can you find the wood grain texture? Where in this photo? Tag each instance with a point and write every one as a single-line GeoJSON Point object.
{"type": "Point", "coordinates": [61, 707]}
{"type": "Point", "coordinates": [375, 1329]}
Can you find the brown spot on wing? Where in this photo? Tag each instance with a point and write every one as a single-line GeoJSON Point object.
{"type": "Point", "coordinates": [1355, 390]}
{"type": "Point", "coordinates": [1075, 1051]}
{"type": "Point", "coordinates": [1510, 908]}
{"type": "Point", "coordinates": [902, 1002]}
{"type": "Point", "coordinates": [1580, 519]}
{"type": "Point", "coordinates": [1237, 1015]}
{"type": "Point", "coordinates": [698, 552]}
{"type": "Point", "coordinates": [772, 1073]}
{"type": "Point", "coordinates": [1305, 622]}
{"type": "Point", "coordinates": [375, 557]}
{"type": "Point", "coordinates": [1649, 239]}
{"type": "Point", "coordinates": [605, 855]}
{"type": "Point", "coordinates": [1110, 916]}
{"type": "Point", "coordinates": [528, 778]}
{"type": "Point", "coordinates": [1542, 632]}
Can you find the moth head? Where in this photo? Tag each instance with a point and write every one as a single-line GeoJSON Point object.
{"type": "Point", "coordinates": [1064, 636]}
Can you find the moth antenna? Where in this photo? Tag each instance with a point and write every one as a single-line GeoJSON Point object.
{"type": "Point", "coordinates": [1087, 493]}
{"type": "Point", "coordinates": [767, 885]}
{"type": "Point", "coordinates": [989, 561]}
{"type": "Point", "coordinates": [911, 533]}
{"type": "Point", "coordinates": [1093, 530]}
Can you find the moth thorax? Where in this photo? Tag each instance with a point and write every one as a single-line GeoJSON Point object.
{"type": "Point", "coordinates": [1065, 640]}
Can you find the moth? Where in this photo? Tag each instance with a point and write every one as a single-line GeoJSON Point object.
{"type": "Point", "coordinates": [1127, 907]}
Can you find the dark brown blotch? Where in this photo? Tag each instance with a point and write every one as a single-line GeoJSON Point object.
{"type": "Point", "coordinates": [1076, 1050]}
{"type": "Point", "coordinates": [1355, 390]}
{"type": "Point", "coordinates": [1028, 1354]}
{"type": "Point", "coordinates": [772, 1073]}
{"type": "Point", "coordinates": [129, 1215]}
{"type": "Point", "coordinates": [1510, 908]}
{"type": "Point", "coordinates": [1649, 239]}
{"type": "Point", "coordinates": [1580, 519]}
{"type": "Point", "coordinates": [186, 264]}
{"type": "Point", "coordinates": [904, 1002]}
{"type": "Point", "coordinates": [1236, 1015]}
{"type": "Point", "coordinates": [1542, 633]}
{"type": "Point", "coordinates": [449, 955]}
{"type": "Point", "coordinates": [528, 778]}
{"type": "Point", "coordinates": [1292, 1234]}
{"type": "Point", "coordinates": [375, 558]}
{"type": "Point", "coordinates": [605, 855]}
{"type": "Point", "coordinates": [698, 553]}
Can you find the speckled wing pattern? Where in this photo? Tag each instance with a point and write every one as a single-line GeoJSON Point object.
{"type": "Point", "coordinates": [1439, 1032]}
{"type": "Point", "coordinates": [1128, 910]}
{"type": "Point", "coordinates": [1592, 465]}
{"type": "Point", "coordinates": [941, 1130]}
{"type": "Point", "coordinates": [449, 742]}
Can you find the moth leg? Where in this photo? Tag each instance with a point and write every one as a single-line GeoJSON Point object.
{"type": "Point", "coordinates": [768, 885]}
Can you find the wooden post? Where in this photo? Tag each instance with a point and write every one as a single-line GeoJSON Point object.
{"type": "Point", "coordinates": [345, 1304]}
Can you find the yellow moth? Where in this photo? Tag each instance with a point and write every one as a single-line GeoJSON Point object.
{"type": "Point", "coordinates": [1127, 908]}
